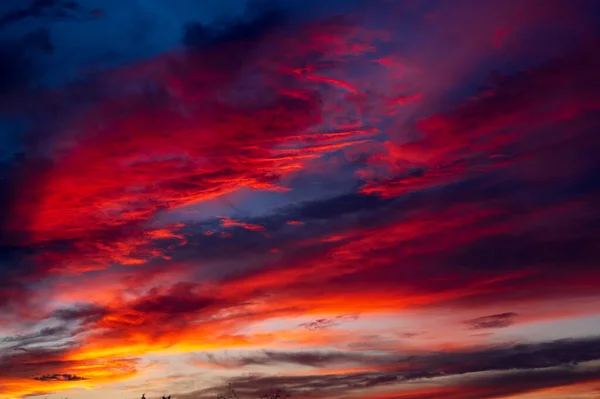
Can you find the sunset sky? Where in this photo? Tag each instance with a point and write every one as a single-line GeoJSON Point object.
{"type": "Point", "coordinates": [341, 198]}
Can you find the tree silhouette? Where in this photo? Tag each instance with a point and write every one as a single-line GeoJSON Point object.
{"type": "Point", "coordinates": [275, 394]}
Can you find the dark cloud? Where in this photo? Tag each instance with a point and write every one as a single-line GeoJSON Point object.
{"type": "Point", "coordinates": [522, 249]}
{"type": "Point", "coordinates": [516, 357]}
{"type": "Point", "coordinates": [179, 299]}
{"type": "Point", "coordinates": [506, 384]}
{"type": "Point", "coordinates": [15, 262]}
{"type": "Point", "coordinates": [522, 367]}
{"type": "Point", "coordinates": [500, 320]}
{"type": "Point", "coordinates": [85, 313]}
{"type": "Point", "coordinates": [45, 335]}
{"type": "Point", "coordinates": [26, 363]}
{"type": "Point", "coordinates": [53, 364]}
{"type": "Point", "coordinates": [54, 9]}
{"type": "Point", "coordinates": [490, 385]}
{"type": "Point", "coordinates": [339, 206]}
{"type": "Point", "coordinates": [511, 357]}
{"type": "Point", "coordinates": [322, 324]}
{"type": "Point", "coordinates": [240, 37]}
{"type": "Point", "coordinates": [259, 19]}
{"type": "Point", "coordinates": [303, 358]}
{"type": "Point", "coordinates": [18, 64]}
{"type": "Point", "coordinates": [59, 377]}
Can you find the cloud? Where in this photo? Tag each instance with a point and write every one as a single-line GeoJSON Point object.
{"type": "Point", "coordinates": [180, 299]}
{"type": "Point", "coordinates": [448, 362]}
{"type": "Point", "coordinates": [41, 9]}
{"type": "Point", "coordinates": [83, 314]}
{"type": "Point", "coordinates": [491, 125]}
{"type": "Point", "coordinates": [509, 383]}
{"type": "Point", "coordinates": [259, 142]}
{"type": "Point", "coordinates": [305, 358]}
{"type": "Point", "coordinates": [500, 320]}
{"type": "Point", "coordinates": [258, 21]}
{"type": "Point", "coordinates": [45, 335]}
{"type": "Point", "coordinates": [477, 386]}
{"type": "Point", "coordinates": [46, 370]}
{"type": "Point", "coordinates": [59, 377]}
{"type": "Point", "coordinates": [494, 371]}
{"type": "Point", "coordinates": [228, 222]}
{"type": "Point", "coordinates": [19, 65]}
{"type": "Point", "coordinates": [171, 177]}
{"type": "Point", "coordinates": [384, 168]}
{"type": "Point", "coordinates": [321, 324]}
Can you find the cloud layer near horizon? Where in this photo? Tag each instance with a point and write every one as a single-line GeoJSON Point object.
{"type": "Point", "coordinates": [358, 199]}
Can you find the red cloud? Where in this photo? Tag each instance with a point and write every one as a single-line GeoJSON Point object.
{"type": "Point", "coordinates": [208, 128]}
{"type": "Point", "coordinates": [499, 127]}
{"type": "Point", "coordinates": [228, 222]}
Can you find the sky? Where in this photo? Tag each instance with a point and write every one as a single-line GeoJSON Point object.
{"type": "Point", "coordinates": [344, 199]}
